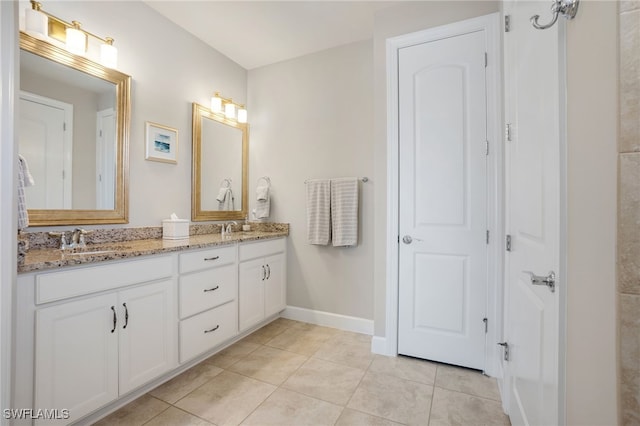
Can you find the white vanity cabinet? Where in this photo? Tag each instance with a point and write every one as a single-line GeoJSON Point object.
{"type": "Point", "coordinates": [262, 281]}
{"type": "Point", "coordinates": [115, 334]}
{"type": "Point", "coordinates": [208, 293]}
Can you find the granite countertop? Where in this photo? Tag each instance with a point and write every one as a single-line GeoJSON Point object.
{"type": "Point", "coordinates": [39, 259]}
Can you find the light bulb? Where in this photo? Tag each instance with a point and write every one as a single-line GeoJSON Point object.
{"type": "Point", "coordinates": [76, 39]}
{"type": "Point", "coordinates": [242, 115]}
{"type": "Point", "coordinates": [109, 54]}
{"type": "Point", "coordinates": [230, 110]}
{"type": "Point", "coordinates": [216, 103]}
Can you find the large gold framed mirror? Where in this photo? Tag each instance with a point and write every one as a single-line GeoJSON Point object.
{"type": "Point", "coordinates": [220, 155]}
{"type": "Point", "coordinates": [74, 135]}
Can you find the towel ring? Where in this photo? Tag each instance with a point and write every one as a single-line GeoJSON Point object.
{"type": "Point", "coordinates": [265, 178]}
{"type": "Point", "coordinates": [225, 183]}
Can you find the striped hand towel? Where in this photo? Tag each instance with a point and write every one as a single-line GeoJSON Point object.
{"type": "Point", "coordinates": [24, 179]}
{"type": "Point", "coordinates": [344, 211]}
{"type": "Point", "coordinates": [318, 213]}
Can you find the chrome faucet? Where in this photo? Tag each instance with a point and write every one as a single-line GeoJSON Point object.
{"type": "Point", "coordinates": [228, 228]}
{"type": "Point", "coordinates": [77, 239]}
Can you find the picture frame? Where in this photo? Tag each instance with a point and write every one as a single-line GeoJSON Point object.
{"type": "Point", "coordinates": [161, 143]}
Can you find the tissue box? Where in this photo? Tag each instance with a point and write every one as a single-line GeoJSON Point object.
{"type": "Point", "coordinates": [175, 229]}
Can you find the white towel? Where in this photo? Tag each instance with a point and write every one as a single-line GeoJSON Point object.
{"type": "Point", "coordinates": [263, 207]}
{"type": "Point", "coordinates": [262, 193]}
{"type": "Point", "coordinates": [318, 212]}
{"type": "Point", "coordinates": [228, 202]}
{"type": "Point", "coordinates": [222, 193]}
{"type": "Point", "coordinates": [344, 211]}
{"type": "Point", "coordinates": [24, 179]}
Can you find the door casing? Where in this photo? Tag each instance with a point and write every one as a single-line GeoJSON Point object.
{"type": "Point", "coordinates": [490, 24]}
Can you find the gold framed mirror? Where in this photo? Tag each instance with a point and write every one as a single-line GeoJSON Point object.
{"type": "Point", "coordinates": [220, 157]}
{"type": "Point", "coordinates": [83, 176]}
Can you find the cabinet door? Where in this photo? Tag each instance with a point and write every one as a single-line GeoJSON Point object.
{"type": "Point", "coordinates": [77, 356]}
{"type": "Point", "coordinates": [275, 288]}
{"type": "Point", "coordinates": [147, 333]}
{"type": "Point", "coordinates": [251, 279]}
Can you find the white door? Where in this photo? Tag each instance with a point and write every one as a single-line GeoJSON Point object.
{"type": "Point", "coordinates": [275, 287]}
{"type": "Point", "coordinates": [147, 334]}
{"type": "Point", "coordinates": [76, 360]}
{"type": "Point", "coordinates": [45, 142]}
{"type": "Point", "coordinates": [105, 159]}
{"type": "Point", "coordinates": [443, 200]}
{"type": "Point", "coordinates": [533, 110]}
{"type": "Point", "coordinates": [251, 276]}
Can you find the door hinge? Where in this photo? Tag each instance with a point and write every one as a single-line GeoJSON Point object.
{"type": "Point", "coordinates": [507, 131]}
{"type": "Point", "coordinates": [64, 127]}
{"type": "Point", "coordinates": [487, 147]}
{"type": "Point", "coordinates": [505, 345]}
{"type": "Point", "coordinates": [487, 236]}
{"type": "Point", "coordinates": [507, 23]}
{"type": "Point", "coordinates": [508, 245]}
{"type": "Point", "coordinates": [486, 59]}
{"type": "Point", "coordinates": [100, 132]}
{"type": "Point", "coordinates": [398, 239]}
{"type": "Point", "coordinates": [486, 325]}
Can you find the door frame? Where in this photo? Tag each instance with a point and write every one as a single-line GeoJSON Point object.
{"type": "Point", "coordinates": [495, 181]}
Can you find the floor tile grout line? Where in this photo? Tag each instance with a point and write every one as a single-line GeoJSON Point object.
{"type": "Point", "coordinates": [162, 411]}
{"type": "Point", "coordinates": [469, 394]}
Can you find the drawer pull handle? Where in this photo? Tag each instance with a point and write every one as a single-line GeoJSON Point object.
{"type": "Point", "coordinates": [264, 273]}
{"type": "Point", "coordinates": [211, 289]}
{"type": "Point", "coordinates": [268, 271]}
{"type": "Point", "coordinates": [115, 319]}
{"type": "Point", "coordinates": [126, 315]}
{"type": "Point", "coordinates": [213, 329]}
{"type": "Point", "coordinates": [212, 258]}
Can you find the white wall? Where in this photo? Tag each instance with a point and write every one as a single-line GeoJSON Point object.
{"type": "Point", "coordinates": [392, 22]}
{"type": "Point", "coordinates": [311, 117]}
{"type": "Point", "coordinates": [170, 70]}
{"type": "Point", "coordinates": [591, 238]}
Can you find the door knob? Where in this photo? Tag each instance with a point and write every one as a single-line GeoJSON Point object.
{"type": "Point", "coordinates": [408, 239]}
{"type": "Point", "coordinates": [549, 280]}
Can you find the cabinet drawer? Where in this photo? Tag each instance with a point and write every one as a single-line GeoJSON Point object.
{"type": "Point", "coordinates": [207, 330]}
{"type": "Point", "coordinates": [206, 289]}
{"type": "Point", "coordinates": [203, 259]}
{"type": "Point", "coordinates": [76, 282]}
{"type": "Point", "coordinates": [262, 248]}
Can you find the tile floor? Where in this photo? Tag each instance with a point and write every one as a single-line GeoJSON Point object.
{"type": "Point", "coordinates": [293, 373]}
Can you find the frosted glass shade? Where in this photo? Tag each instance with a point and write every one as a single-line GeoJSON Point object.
{"type": "Point", "coordinates": [216, 104]}
{"type": "Point", "coordinates": [35, 23]}
{"type": "Point", "coordinates": [230, 111]}
{"type": "Point", "coordinates": [76, 41]}
{"type": "Point", "coordinates": [109, 55]}
{"type": "Point", "coordinates": [242, 115]}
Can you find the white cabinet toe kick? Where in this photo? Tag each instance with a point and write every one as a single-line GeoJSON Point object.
{"type": "Point", "coordinates": [91, 338]}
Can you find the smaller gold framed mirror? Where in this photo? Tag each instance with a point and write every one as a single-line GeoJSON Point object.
{"type": "Point", "coordinates": [220, 157]}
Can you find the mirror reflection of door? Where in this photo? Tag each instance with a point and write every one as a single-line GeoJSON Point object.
{"type": "Point", "coordinates": [105, 158]}
{"type": "Point", "coordinates": [46, 127]}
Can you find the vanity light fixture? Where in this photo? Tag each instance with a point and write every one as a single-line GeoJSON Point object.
{"type": "Point", "coordinates": [228, 108]}
{"type": "Point", "coordinates": [43, 25]}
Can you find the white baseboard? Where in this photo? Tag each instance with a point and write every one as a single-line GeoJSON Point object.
{"type": "Point", "coordinates": [328, 319]}
{"type": "Point", "coordinates": [379, 346]}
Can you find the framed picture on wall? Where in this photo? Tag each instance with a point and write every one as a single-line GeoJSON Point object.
{"type": "Point", "coordinates": [162, 143]}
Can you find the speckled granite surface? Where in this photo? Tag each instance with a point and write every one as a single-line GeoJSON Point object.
{"type": "Point", "coordinates": [41, 252]}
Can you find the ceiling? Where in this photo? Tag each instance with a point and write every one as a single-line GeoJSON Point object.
{"type": "Point", "coordinates": [259, 33]}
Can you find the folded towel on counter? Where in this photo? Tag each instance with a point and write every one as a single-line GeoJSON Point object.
{"type": "Point", "coordinates": [24, 179]}
{"type": "Point", "coordinates": [262, 193]}
{"type": "Point", "coordinates": [318, 211]}
{"type": "Point", "coordinates": [344, 211]}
